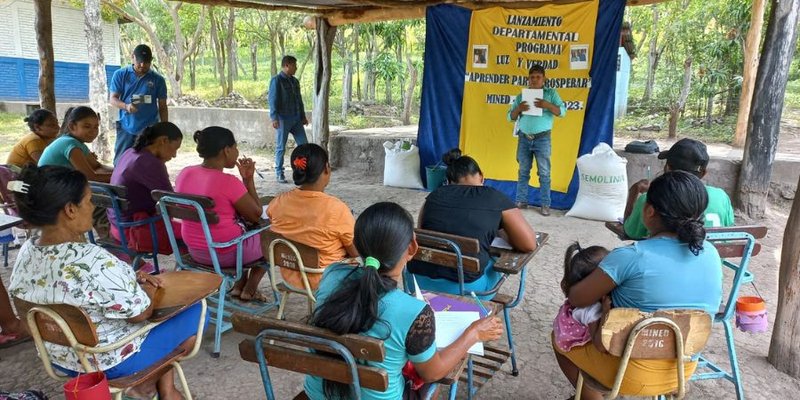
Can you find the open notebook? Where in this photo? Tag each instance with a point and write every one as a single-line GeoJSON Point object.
{"type": "Point", "coordinates": [452, 318]}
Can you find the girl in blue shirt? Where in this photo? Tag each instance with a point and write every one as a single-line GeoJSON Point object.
{"type": "Point", "coordinates": [366, 300]}
{"type": "Point", "coordinates": [81, 126]}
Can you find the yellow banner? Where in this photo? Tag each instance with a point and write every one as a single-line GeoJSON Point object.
{"type": "Point", "coordinates": [503, 45]}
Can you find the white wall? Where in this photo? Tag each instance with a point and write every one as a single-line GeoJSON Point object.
{"type": "Point", "coordinates": [69, 40]}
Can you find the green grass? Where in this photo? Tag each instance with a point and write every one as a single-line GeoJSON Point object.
{"type": "Point", "coordinates": [12, 128]}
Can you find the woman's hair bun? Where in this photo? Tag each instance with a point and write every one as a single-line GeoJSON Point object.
{"type": "Point", "coordinates": [451, 156]}
{"type": "Point", "coordinates": [26, 119]}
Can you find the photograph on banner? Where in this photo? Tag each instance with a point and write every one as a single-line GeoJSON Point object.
{"type": "Point", "coordinates": [519, 39]}
{"type": "Point", "coordinates": [579, 56]}
{"type": "Point", "coordinates": [480, 55]}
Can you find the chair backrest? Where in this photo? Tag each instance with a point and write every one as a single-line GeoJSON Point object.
{"type": "Point", "coordinates": [446, 250]}
{"type": "Point", "coordinates": [53, 321]}
{"type": "Point", "coordinates": [286, 257]}
{"type": "Point", "coordinates": [110, 196]}
{"type": "Point", "coordinates": [186, 206]}
{"type": "Point", "coordinates": [652, 336]}
{"type": "Point", "coordinates": [7, 174]}
{"type": "Point", "coordinates": [730, 246]}
{"type": "Point", "coordinates": [285, 345]}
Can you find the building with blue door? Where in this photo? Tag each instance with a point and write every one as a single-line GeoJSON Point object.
{"type": "Point", "coordinates": [19, 57]}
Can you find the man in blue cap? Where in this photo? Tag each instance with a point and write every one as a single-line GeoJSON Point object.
{"type": "Point", "coordinates": [141, 96]}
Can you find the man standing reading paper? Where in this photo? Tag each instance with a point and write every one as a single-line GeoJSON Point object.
{"type": "Point", "coordinates": [533, 132]}
{"type": "Point", "coordinates": [141, 96]}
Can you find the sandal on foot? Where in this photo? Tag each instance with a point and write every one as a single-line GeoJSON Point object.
{"type": "Point", "coordinates": [256, 296]}
{"type": "Point", "coordinates": [13, 339]}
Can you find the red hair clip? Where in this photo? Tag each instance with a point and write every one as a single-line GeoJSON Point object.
{"type": "Point", "coordinates": [300, 163]}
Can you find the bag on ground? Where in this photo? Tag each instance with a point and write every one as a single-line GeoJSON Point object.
{"type": "Point", "coordinates": [603, 186]}
{"type": "Point", "coordinates": [401, 167]}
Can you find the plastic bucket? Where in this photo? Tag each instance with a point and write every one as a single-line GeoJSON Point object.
{"type": "Point", "coordinates": [91, 386]}
{"type": "Point", "coordinates": [751, 314]}
{"type": "Point", "coordinates": [436, 176]}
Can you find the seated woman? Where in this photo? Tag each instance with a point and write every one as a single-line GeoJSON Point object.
{"type": "Point", "coordinates": [69, 150]}
{"type": "Point", "coordinates": [674, 269]}
{"type": "Point", "coordinates": [57, 266]}
{"type": "Point", "coordinates": [368, 300]}
{"type": "Point", "coordinates": [310, 216]}
{"type": "Point", "coordinates": [233, 199]}
{"type": "Point", "coordinates": [44, 129]}
{"type": "Point", "coordinates": [142, 169]}
{"type": "Point", "coordinates": [465, 207]}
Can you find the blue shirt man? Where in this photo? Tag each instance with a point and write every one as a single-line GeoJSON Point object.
{"type": "Point", "coordinates": [141, 96]}
{"type": "Point", "coordinates": [534, 138]}
{"type": "Point", "coordinates": [286, 110]}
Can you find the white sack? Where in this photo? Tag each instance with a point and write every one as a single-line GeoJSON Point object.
{"type": "Point", "coordinates": [401, 167]}
{"type": "Point", "coordinates": [603, 189]}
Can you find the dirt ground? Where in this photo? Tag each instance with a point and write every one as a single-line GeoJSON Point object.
{"type": "Point", "coordinates": [230, 377]}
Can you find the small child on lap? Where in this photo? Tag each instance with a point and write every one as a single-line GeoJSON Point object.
{"type": "Point", "coordinates": [574, 326]}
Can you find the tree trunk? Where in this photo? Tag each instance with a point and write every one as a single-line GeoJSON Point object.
{"type": "Point", "coordinates": [784, 353]}
{"type": "Point", "coordinates": [193, 71]}
{"type": "Point", "coordinates": [229, 42]}
{"type": "Point", "coordinates": [219, 56]}
{"type": "Point", "coordinates": [409, 98]}
{"type": "Point", "coordinates": [731, 100]}
{"type": "Point", "coordinates": [677, 106]}
{"type": "Point", "coordinates": [750, 70]}
{"type": "Point", "coordinates": [322, 81]}
{"type": "Point", "coordinates": [652, 58]}
{"type": "Point", "coordinates": [347, 88]}
{"type": "Point", "coordinates": [273, 68]}
{"type": "Point", "coordinates": [312, 45]}
{"type": "Point", "coordinates": [98, 89]}
{"type": "Point", "coordinates": [709, 110]}
{"type": "Point", "coordinates": [44, 43]}
{"type": "Point", "coordinates": [388, 91]}
{"type": "Point", "coordinates": [254, 60]}
{"type": "Point", "coordinates": [175, 79]}
{"type": "Point", "coordinates": [356, 33]}
{"type": "Point", "coordinates": [763, 126]}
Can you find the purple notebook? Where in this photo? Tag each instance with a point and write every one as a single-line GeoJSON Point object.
{"type": "Point", "coordinates": [444, 303]}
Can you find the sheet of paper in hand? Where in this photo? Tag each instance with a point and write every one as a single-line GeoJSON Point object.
{"type": "Point", "coordinates": [530, 95]}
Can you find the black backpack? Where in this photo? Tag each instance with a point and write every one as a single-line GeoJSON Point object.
{"type": "Point", "coordinates": [638, 146]}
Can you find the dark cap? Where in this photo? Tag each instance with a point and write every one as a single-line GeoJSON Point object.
{"type": "Point", "coordinates": [142, 53]}
{"type": "Point", "coordinates": [686, 155]}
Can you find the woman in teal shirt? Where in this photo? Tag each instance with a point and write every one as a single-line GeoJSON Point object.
{"type": "Point", "coordinates": [367, 300]}
{"type": "Point", "coordinates": [676, 268]}
{"type": "Point", "coordinates": [81, 126]}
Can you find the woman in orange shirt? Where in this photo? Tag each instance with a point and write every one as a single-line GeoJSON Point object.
{"type": "Point", "coordinates": [44, 129]}
{"type": "Point", "coordinates": [309, 216]}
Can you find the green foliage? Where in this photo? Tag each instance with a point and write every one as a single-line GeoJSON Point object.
{"type": "Point", "coordinates": [12, 127]}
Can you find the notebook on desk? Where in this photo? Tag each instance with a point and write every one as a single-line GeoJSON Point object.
{"type": "Point", "coordinates": [452, 317]}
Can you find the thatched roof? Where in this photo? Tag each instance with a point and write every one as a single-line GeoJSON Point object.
{"type": "Point", "coordinates": [348, 11]}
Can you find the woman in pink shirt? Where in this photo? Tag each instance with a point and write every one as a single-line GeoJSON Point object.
{"type": "Point", "coordinates": [233, 198]}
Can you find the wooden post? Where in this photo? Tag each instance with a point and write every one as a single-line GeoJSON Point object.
{"type": "Point", "coordinates": [322, 81]}
{"type": "Point", "coordinates": [44, 43]}
{"type": "Point", "coordinates": [764, 122]}
{"type": "Point", "coordinates": [750, 70]}
{"type": "Point", "coordinates": [784, 353]}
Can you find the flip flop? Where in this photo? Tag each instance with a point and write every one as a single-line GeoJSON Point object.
{"type": "Point", "coordinates": [13, 339]}
{"type": "Point", "coordinates": [257, 296]}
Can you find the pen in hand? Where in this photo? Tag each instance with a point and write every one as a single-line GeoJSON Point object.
{"type": "Point", "coordinates": [260, 175]}
{"type": "Point", "coordinates": [485, 312]}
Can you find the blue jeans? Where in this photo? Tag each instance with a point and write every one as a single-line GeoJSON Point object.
{"type": "Point", "coordinates": [123, 142]}
{"type": "Point", "coordinates": [293, 125]}
{"type": "Point", "coordinates": [540, 148]}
